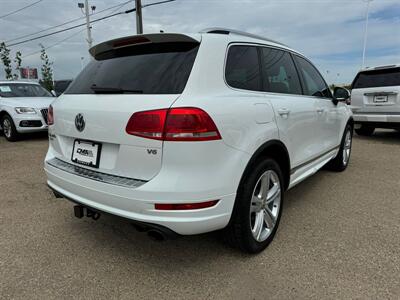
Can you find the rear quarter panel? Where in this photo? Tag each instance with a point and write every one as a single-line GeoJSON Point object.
{"type": "Point", "coordinates": [245, 119]}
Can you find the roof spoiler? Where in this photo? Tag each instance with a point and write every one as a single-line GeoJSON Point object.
{"type": "Point", "coordinates": [140, 40]}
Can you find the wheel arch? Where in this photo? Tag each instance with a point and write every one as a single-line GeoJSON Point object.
{"type": "Point", "coordinates": [276, 150]}
{"type": "Point", "coordinates": [351, 122]}
{"type": "Point", "coordinates": [3, 113]}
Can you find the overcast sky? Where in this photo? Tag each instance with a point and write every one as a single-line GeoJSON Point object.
{"type": "Point", "coordinates": [329, 32]}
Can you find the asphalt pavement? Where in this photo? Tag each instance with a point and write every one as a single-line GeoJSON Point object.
{"type": "Point", "coordinates": [339, 238]}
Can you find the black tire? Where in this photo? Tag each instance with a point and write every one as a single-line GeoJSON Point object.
{"type": "Point", "coordinates": [11, 135]}
{"type": "Point", "coordinates": [339, 163]}
{"type": "Point", "coordinates": [365, 130]}
{"type": "Point", "coordinates": [239, 231]}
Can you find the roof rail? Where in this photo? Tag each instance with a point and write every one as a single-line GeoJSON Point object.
{"type": "Point", "coordinates": [385, 67]}
{"type": "Point", "coordinates": [220, 30]}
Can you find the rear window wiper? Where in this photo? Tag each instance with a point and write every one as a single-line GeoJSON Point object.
{"type": "Point", "coordinates": [112, 90]}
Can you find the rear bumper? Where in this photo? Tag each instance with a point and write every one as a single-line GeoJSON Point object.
{"type": "Point", "coordinates": [376, 117]}
{"type": "Point", "coordinates": [377, 120]}
{"type": "Point", "coordinates": [138, 204]}
{"type": "Point", "coordinates": [142, 226]}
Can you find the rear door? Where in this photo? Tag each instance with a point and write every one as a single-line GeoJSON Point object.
{"type": "Point", "coordinates": [377, 91]}
{"type": "Point", "coordinates": [295, 114]}
{"type": "Point", "coordinates": [92, 115]}
{"type": "Point", "coordinates": [329, 116]}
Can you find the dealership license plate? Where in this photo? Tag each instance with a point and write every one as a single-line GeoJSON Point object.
{"type": "Point", "coordinates": [86, 153]}
{"type": "Point", "coordinates": [380, 99]}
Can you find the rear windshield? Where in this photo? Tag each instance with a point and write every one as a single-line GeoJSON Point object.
{"type": "Point", "coordinates": [142, 69]}
{"type": "Point", "coordinates": [377, 78]}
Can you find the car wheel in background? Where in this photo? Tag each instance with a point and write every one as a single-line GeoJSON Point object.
{"type": "Point", "coordinates": [365, 130]}
{"type": "Point", "coordinates": [9, 130]}
{"type": "Point", "coordinates": [341, 161]}
{"type": "Point", "coordinates": [258, 207]}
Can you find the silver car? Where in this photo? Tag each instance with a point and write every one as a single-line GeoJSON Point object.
{"type": "Point", "coordinates": [23, 108]}
{"type": "Point", "coordinates": [375, 99]}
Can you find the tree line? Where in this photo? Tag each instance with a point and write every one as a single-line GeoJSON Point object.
{"type": "Point", "coordinates": [14, 73]}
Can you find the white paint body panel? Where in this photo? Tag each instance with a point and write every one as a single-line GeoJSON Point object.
{"type": "Point", "coordinates": [189, 172]}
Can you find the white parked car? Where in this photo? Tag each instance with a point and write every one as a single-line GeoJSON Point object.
{"type": "Point", "coordinates": [23, 108]}
{"type": "Point", "coordinates": [194, 133]}
{"type": "Point", "coordinates": [375, 98]}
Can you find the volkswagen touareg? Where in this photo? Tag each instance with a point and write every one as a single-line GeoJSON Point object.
{"type": "Point", "coordinates": [191, 133]}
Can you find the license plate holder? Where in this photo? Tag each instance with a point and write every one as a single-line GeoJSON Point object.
{"type": "Point", "coordinates": [86, 153]}
{"type": "Point", "coordinates": [380, 98]}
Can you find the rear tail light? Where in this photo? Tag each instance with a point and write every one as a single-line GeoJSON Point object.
{"type": "Point", "coordinates": [185, 206]}
{"type": "Point", "coordinates": [50, 116]}
{"type": "Point", "coordinates": [148, 124]}
{"type": "Point", "coordinates": [175, 124]}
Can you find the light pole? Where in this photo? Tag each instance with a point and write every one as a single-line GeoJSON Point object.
{"type": "Point", "coordinates": [366, 32]}
{"type": "Point", "coordinates": [139, 19]}
{"type": "Point", "coordinates": [88, 27]}
{"type": "Point", "coordinates": [139, 16]}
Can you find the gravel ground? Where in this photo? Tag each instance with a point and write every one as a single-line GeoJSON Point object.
{"type": "Point", "coordinates": [339, 238]}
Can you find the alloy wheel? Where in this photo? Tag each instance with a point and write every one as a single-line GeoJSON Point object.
{"type": "Point", "coordinates": [7, 128]}
{"type": "Point", "coordinates": [265, 205]}
{"type": "Point", "coordinates": [347, 148]}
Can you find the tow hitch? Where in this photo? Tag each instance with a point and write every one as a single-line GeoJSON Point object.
{"type": "Point", "coordinates": [81, 211]}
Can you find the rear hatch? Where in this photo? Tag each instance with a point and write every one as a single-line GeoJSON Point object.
{"type": "Point", "coordinates": [126, 76]}
{"type": "Point", "coordinates": [377, 91]}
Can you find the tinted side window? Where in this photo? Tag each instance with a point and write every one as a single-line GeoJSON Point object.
{"type": "Point", "coordinates": [314, 84]}
{"type": "Point", "coordinates": [280, 75]}
{"type": "Point", "coordinates": [242, 68]}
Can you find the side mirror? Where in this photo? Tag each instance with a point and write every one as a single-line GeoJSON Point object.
{"type": "Point", "coordinates": [340, 94]}
{"type": "Point", "coordinates": [53, 92]}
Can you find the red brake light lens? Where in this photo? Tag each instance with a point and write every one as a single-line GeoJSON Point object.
{"type": "Point", "coordinates": [185, 206]}
{"type": "Point", "coordinates": [148, 124]}
{"type": "Point", "coordinates": [50, 116]}
{"type": "Point", "coordinates": [190, 124]}
{"type": "Point", "coordinates": [175, 124]}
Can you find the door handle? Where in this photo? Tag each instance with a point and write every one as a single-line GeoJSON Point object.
{"type": "Point", "coordinates": [320, 110]}
{"type": "Point", "coordinates": [283, 112]}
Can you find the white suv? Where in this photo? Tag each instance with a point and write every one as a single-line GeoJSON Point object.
{"type": "Point", "coordinates": [194, 133]}
{"type": "Point", "coordinates": [375, 99]}
{"type": "Point", "coordinates": [23, 108]}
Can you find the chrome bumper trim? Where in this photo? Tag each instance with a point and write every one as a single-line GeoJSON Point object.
{"type": "Point", "coordinates": [98, 176]}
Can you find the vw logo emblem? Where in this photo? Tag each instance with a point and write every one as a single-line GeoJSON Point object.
{"type": "Point", "coordinates": [79, 122]}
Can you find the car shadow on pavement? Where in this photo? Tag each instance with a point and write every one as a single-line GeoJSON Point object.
{"type": "Point", "coordinates": [119, 234]}
{"type": "Point", "coordinates": [34, 136]}
{"type": "Point", "coordinates": [112, 233]}
{"type": "Point", "coordinates": [386, 136]}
